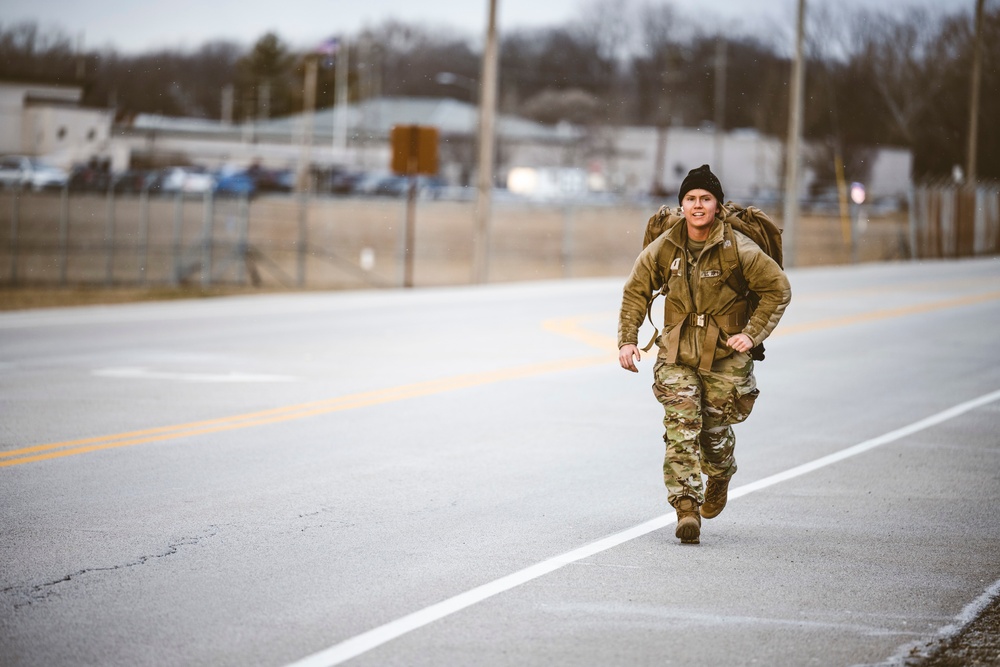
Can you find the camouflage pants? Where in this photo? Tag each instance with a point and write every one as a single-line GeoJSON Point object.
{"type": "Point", "coordinates": [699, 411]}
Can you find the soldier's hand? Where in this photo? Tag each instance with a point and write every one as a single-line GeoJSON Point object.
{"type": "Point", "coordinates": [740, 342]}
{"type": "Point", "coordinates": [627, 356]}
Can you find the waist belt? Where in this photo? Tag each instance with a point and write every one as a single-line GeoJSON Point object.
{"type": "Point", "coordinates": [730, 321]}
{"type": "Point", "coordinates": [711, 324]}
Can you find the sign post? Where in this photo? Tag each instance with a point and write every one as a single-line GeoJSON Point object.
{"type": "Point", "coordinates": [414, 152]}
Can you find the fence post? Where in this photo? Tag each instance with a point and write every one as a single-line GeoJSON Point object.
{"type": "Point", "coordinates": [567, 240]}
{"type": "Point", "coordinates": [143, 235]}
{"type": "Point", "coordinates": [206, 243]}
{"type": "Point", "coordinates": [109, 239]}
{"type": "Point", "coordinates": [178, 221]}
{"type": "Point", "coordinates": [14, 223]}
{"type": "Point", "coordinates": [401, 251]}
{"type": "Point", "coordinates": [243, 236]}
{"type": "Point", "coordinates": [63, 234]}
{"type": "Point", "coordinates": [988, 220]}
{"type": "Point", "coordinates": [949, 228]}
{"type": "Point", "coordinates": [855, 213]}
{"type": "Point", "coordinates": [303, 235]}
{"type": "Point", "coordinates": [993, 219]}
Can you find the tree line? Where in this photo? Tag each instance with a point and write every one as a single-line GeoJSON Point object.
{"type": "Point", "coordinates": [873, 78]}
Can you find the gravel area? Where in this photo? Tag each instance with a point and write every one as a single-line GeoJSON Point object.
{"type": "Point", "coordinates": [975, 645]}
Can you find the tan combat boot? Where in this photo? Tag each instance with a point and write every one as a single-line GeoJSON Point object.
{"type": "Point", "coordinates": [716, 495]}
{"type": "Point", "coordinates": [688, 521]}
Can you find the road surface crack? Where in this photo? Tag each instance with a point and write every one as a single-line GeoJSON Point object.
{"type": "Point", "coordinates": [26, 595]}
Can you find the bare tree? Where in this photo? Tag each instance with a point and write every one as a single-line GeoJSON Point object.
{"type": "Point", "coordinates": [941, 127]}
{"type": "Point", "coordinates": [659, 65]}
{"type": "Point", "coordinates": [570, 105]}
{"type": "Point", "coordinates": [904, 61]}
{"type": "Point", "coordinates": [611, 26]}
{"type": "Point", "coordinates": [412, 56]}
{"type": "Point", "coordinates": [29, 51]}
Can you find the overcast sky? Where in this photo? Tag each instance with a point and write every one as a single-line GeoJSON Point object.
{"type": "Point", "coordinates": [141, 25]}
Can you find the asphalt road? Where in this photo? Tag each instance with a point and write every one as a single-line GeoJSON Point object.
{"type": "Point", "coordinates": [464, 476]}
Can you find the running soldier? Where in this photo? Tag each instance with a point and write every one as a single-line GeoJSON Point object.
{"type": "Point", "coordinates": [703, 375]}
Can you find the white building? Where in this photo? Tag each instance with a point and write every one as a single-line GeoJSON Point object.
{"type": "Point", "coordinates": [641, 160]}
{"type": "Point", "coordinates": [46, 120]}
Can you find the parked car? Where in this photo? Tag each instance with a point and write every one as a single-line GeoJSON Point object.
{"type": "Point", "coordinates": [368, 183]}
{"type": "Point", "coordinates": [344, 182]}
{"type": "Point", "coordinates": [235, 182]}
{"type": "Point", "coordinates": [185, 180]}
{"type": "Point", "coordinates": [89, 179]}
{"type": "Point", "coordinates": [271, 180]}
{"type": "Point", "coordinates": [131, 181]}
{"type": "Point", "coordinates": [428, 187]}
{"type": "Point", "coordinates": [30, 172]}
{"type": "Point", "coordinates": [394, 185]}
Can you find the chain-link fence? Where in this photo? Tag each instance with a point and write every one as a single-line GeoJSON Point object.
{"type": "Point", "coordinates": [69, 238]}
{"type": "Point", "coordinates": [288, 241]}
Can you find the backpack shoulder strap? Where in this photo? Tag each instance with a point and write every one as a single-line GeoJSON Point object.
{"type": "Point", "coordinates": [672, 266]}
{"type": "Point", "coordinates": [738, 282]}
{"type": "Point", "coordinates": [733, 273]}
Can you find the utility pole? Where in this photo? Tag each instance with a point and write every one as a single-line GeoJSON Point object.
{"type": "Point", "coordinates": [791, 212]}
{"type": "Point", "coordinates": [308, 118]}
{"type": "Point", "coordinates": [487, 114]}
{"type": "Point", "coordinates": [720, 105]}
{"type": "Point", "coordinates": [264, 100]}
{"type": "Point", "coordinates": [228, 97]}
{"type": "Point", "coordinates": [305, 163]}
{"type": "Point", "coordinates": [340, 110]}
{"type": "Point", "coordinates": [977, 76]}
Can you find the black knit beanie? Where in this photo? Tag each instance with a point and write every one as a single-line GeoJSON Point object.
{"type": "Point", "coordinates": [701, 178]}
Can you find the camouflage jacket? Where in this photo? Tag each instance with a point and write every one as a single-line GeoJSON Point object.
{"type": "Point", "coordinates": [697, 286]}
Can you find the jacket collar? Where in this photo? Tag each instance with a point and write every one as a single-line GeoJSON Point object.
{"type": "Point", "coordinates": [678, 233]}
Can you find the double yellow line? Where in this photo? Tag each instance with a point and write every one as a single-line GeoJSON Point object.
{"type": "Point", "coordinates": [569, 328]}
{"type": "Point", "coordinates": [872, 316]}
{"type": "Point", "coordinates": [288, 413]}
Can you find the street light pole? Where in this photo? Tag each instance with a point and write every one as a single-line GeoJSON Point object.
{"type": "Point", "coordinates": [791, 210]}
{"type": "Point", "coordinates": [720, 105]}
{"type": "Point", "coordinates": [305, 160]}
{"type": "Point", "coordinates": [487, 113]}
{"type": "Point", "coordinates": [340, 111]}
{"type": "Point", "coordinates": [308, 118]}
{"type": "Point", "coordinates": [977, 75]}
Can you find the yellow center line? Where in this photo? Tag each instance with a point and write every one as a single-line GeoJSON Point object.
{"type": "Point", "coordinates": [902, 311]}
{"type": "Point", "coordinates": [571, 327]}
{"type": "Point", "coordinates": [292, 412]}
{"type": "Point", "coordinates": [892, 288]}
{"type": "Point", "coordinates": [568, 327]}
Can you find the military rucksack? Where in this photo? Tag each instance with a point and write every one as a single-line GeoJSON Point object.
{"type": "Point", "coordinates": [748, 220]}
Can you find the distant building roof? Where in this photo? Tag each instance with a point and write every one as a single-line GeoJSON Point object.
{"type": "Point", "coordinates": [375, 118]}
{"type": "Point", "coordinates": [148, 121]}
{"type": "Point", "coordinates": [42, 92]}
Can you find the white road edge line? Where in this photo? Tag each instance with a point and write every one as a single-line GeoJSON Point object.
{"type": "Point", "coordinates": [922, 648]}
{"type": "Point", "coordinates": [142, 373]}
{"type": "Point", "coordinates": [366, 641]}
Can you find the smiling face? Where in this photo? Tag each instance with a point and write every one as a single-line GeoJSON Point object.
{"type": "Point", "coordinates": [699, 208]}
